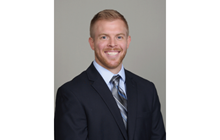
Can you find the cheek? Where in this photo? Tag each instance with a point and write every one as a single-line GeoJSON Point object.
{"type": "Point", "coordinates": [123, 45]}
{"type": "Point", "coordinates": [100, 45]}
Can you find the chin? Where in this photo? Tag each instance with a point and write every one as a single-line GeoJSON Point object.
{"type": "Point", "coordinates": [113, 65]}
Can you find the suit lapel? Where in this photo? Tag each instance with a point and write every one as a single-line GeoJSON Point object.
{"type": "Point", "coordinates": [132, 94]}
{"type": "Point", "coordinates": [102, 89]}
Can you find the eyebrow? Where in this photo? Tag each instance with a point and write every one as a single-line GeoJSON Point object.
{"type": "Point", "coordinates": [108, 35]}
{"type": "Point", "coordinates": [121, 34]}
{"type": "Point", "coordinates": [103, 34]}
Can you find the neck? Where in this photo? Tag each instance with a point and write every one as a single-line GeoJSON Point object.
{"type": "Point", "coordinates": [116, 70]}
{"type": "Point", "coordinates": [113, 70]}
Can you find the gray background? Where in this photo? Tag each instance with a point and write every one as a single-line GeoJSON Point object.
{"type": "Point", "coordinates": [146, 55]}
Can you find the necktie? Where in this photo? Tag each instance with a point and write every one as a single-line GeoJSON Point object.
{"type": "Point", "coordinates": [120, 98]}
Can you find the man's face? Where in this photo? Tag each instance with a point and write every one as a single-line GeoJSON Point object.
{"type": "Point", "coordinates": [110, 43]}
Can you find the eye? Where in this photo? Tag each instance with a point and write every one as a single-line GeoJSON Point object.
{"type": "Point", "coordinates": [119, 37]}
{"type": "Point", "coordinates": [103, 37]}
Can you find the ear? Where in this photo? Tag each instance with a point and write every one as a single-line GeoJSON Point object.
{"type": "Point", "coordinates": [128, 41]}
{"type": "Point", "coordinates": [91, 42]}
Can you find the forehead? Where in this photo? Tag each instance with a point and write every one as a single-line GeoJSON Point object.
{"type": "Point", "coordinates": [110, 26]}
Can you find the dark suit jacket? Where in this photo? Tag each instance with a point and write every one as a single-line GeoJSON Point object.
{"type": "Point", "coordinates": [86, 110]}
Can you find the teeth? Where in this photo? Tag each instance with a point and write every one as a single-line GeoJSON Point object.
{"type": "Point", "coordinates": [112, 53]}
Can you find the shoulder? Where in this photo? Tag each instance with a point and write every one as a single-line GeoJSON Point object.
{"type": "Point", "coordinates": [77, 83]}
{"type": "Point", "coordinates": [138, 79]}
{"type": "Point", "coordinates": [142, 84]}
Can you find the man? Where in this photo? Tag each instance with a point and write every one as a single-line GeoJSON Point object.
{"type": "Point", "coordinates": [107, 102]}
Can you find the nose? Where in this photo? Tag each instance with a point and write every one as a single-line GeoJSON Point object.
{"type": "Point", "coordinates": [112, 42]}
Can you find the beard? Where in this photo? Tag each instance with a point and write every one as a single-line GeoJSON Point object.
{"type": "Point", "coordinates": [109, 63]}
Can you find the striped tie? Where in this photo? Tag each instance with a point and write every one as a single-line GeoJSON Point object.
{"type": "Point", "coordinates": [120, 98]}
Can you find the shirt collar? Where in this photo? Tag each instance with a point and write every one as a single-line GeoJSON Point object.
{"type": "Point", "coordinates": [106, 74]}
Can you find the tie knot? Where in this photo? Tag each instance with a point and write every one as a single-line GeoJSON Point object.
{"type": "Point", "coordinates": [115, 80]}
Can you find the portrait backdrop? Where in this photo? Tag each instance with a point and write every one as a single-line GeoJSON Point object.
{"type": "Point", "coordinates": [145, 57]}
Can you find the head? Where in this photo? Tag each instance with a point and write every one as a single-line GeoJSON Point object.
{"type": "Point", "coordinates": [109, 38]}
{"type": "Point", "coordinates": [107, 15]}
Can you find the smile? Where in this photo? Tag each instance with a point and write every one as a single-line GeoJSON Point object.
{"type": "Point", "coordinates": [112, 53]}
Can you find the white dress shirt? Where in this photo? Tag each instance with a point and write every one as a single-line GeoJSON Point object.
{"type": "Point", "coordinates": [107, 76]}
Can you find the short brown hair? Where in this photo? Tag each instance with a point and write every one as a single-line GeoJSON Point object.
{"type": "Point", "coordinates": [107, 14]}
